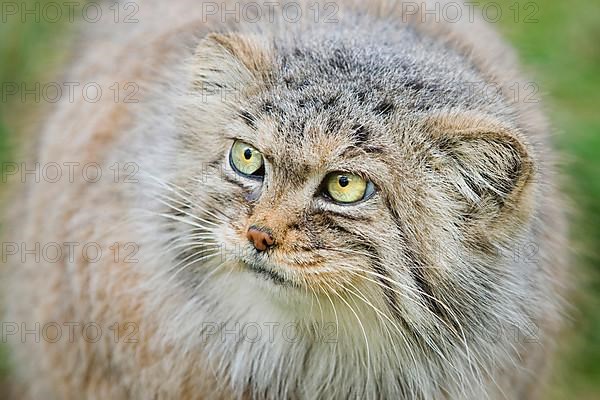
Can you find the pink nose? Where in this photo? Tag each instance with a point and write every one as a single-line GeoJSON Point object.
{"type": "Point", "coordinates": [259, 238]}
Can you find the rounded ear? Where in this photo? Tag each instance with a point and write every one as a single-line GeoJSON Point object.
{"type": "Point", "coordinates": [487, 163]}
{"type": "Point", "coordinates": [231, 61]}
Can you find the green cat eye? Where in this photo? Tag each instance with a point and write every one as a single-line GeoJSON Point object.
{"type": "Point", "coordinates": [246, 160]}
{"type": "Point", "coordinates": [347, 188]}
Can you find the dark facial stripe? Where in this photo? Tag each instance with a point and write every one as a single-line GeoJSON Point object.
{"type": "Point", "coordinates": [330, 102]}
{"type": "Point", "coordinates": [233, 181]}
{"type": "Point", "coordinates": [223, 198]}
{"type": "Point", "coordinates": [388, 291]}
{"type": "Point", "coordinates": [390, 296]}
{"type": "Point", "coordinates": [414, 84]}
{"type": "Point", "coordinates": [356, 218]}
{"type": "Point", "coordinates": [417, 268]}
{"type": "Point", "coordinates": [384, 108]}
{"type": "Point", "coordinates": [371, 148]}
{"type": "Point", "coordinates": [361, 96]}
{"type": "Point", "coordinates": [181, 211]}
{"type": "Point", "coordinates": [213, 168]}
{"type": "Point", "coordinates": [334, 124]}
{"type": "Point", "coordinates": [360, 133]}
{"type": "Point", "coordinates": [248, 119]}
{"type": "Point", "coordinates": [375, 264]}
{"type": "Point", "coordinates": [339, 60]}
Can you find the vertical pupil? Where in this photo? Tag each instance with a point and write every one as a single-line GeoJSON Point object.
{"type": "Point", "coordinates": [247, 154]}
{"type": "Point", "coordinates": [343, 181]}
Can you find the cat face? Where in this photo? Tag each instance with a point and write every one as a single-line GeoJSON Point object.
{"type": "Point", "coordinates": [319, 178]}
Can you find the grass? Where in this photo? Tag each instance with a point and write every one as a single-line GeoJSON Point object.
{"type": "Point", "coordinates": [560, 52]}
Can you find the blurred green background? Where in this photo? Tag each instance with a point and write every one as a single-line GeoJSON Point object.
{"type": "Point", "coordinates": [559, 43]}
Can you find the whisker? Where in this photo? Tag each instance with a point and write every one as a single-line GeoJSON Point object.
{"type": "Point", "coordinates": [364, 332]}
{"type": "Point", "coordinates": [394, 325]}
{"type": "Point", "coordinates": [194, 261]}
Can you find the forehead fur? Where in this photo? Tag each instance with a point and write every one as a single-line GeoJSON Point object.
{"type": "Point", "coordinates": [356, 99]}
{"type": "Point", "coordinates": [356, 86]}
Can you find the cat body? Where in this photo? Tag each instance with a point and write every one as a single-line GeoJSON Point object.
{"type": "Point", "coordinates": [444, 282]}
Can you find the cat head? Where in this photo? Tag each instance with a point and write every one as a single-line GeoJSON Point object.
{"type": "Point", "coordinates": [354, 174]}
{"type": "Point", "coordinates": [372, 177]}
{"type": "Point", "coordinates": [328, 164]}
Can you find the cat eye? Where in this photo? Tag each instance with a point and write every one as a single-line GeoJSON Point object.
{"type": "Point", "coordinates": [347, 188]}
{"type": "Point", "coordinates": [246, 160]}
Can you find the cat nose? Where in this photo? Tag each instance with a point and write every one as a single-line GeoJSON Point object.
{"type": "Point", "coordinates": [261, 239]}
